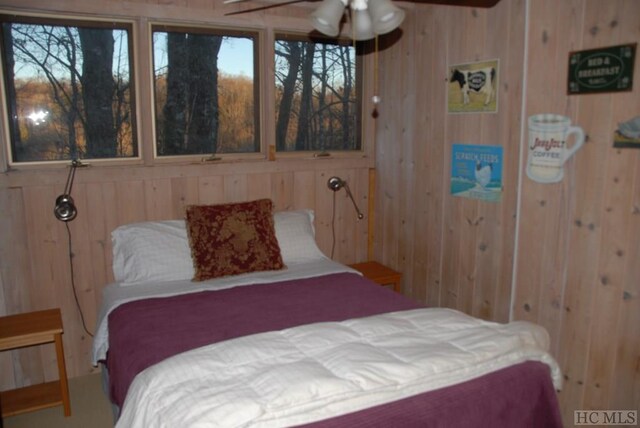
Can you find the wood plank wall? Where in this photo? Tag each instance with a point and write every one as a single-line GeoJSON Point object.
{"type": "Point", "coordinates": [455, 252]}
{"type": "Point", "coordinates": [577, 270]}
{"type": "Point", "coordinates": [579, 247]}
{"type": "Point", "coordinates": [34, 264]}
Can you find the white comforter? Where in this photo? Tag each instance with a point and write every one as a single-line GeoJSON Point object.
{"type": "Point", "coordinates": [316, 371]}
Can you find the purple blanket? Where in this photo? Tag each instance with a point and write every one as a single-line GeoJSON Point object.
{"type": "Point", "coordinates": [144, 332]}
{"type": "Point", "coordinates": [520, 396]}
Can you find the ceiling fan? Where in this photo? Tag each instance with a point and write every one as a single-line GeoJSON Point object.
{"type": "Point", "coordinates": [369, 18]}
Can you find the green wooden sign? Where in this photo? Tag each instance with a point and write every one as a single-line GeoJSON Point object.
{"type": "Point", "coordinates": [602, 70]}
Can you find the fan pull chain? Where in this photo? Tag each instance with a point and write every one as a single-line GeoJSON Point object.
{"type": "Point", "coordinates": [376, 96]}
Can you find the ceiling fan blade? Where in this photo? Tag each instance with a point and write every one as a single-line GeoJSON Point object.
{"type": "Point", "coordinates": [259, 8]}
{"type": "Point", "coordinates": [468, 3]}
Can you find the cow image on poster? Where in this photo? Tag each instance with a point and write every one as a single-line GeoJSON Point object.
{"type": "Point", "coordinates": [479, 81]}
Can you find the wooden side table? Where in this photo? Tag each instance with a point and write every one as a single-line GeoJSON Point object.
{"type": "Point", "coordinates": [35, 328]}
{"type": "Point", "coordinates": [380, 274]}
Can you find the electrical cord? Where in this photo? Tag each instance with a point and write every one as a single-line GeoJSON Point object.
{"type": "Point", "coordinates": [73, 284]}
{"type": "Point", "coordinates": [333, 225]}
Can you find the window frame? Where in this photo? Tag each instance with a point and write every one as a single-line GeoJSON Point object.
{"type": "Point", "coordinates": [361, 88]}
{"type": "Point", "coordinates": [66, 19]}
{"type": "Point", "coordinates": [141, 68]}
{"type": "Point", "coordinates": [258, 92]}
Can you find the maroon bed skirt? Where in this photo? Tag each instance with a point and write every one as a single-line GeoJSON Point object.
{"type": "Point", "coordinates": [144, 332]}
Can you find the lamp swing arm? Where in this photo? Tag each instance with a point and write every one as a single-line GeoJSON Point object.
{"type": "Point", "coordinates": [72, 175]}
{"type": "Point", "coordinates": [346, 187]}
{"type": "Point", "coordinates": [65, 209]}
{"type": "Point", "coordinates": [336, 183]}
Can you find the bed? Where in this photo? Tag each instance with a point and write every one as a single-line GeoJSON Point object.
{"type": "Point", "coordinates": [307, 342]}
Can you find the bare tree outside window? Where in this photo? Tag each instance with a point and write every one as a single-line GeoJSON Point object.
{"type": "Point", "coordinates": [69, 90]}
{"type": "Point", "coordinates": [317, 95]}
{"type": "Point", "coordinates": [205, 94]}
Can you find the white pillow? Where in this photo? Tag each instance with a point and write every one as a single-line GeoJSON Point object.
{"type": "Point", "coordinates": [296, 236]}
{"type": "Point", "coordinates": [151, 251]}
{"type": "Point", "coordinates": [159, 250]}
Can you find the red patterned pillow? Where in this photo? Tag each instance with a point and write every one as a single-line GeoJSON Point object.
{"type": "Point", "coordinates": [231, 239]}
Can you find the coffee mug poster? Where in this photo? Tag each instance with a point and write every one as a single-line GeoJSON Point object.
{"type": "Point", "coordinates": [473, 87]}
{"type": "Point", "coordinates": [551, 142]}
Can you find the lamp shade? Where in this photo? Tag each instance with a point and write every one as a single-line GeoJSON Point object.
{"type": "Point", "coordinates": [362, 25]}
{"type": "Point", "coordinates": [385, 16]}
{"type": "Point", "coordinates": [326, 18]}
{"type": "Point", "coordinates": [65, 209]}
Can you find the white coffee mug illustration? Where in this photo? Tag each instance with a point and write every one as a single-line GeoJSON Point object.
{"type": "Point", "coordinates": [548, 148]}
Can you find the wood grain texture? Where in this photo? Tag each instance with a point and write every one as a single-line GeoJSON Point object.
{"type": "Point", "coordinates": [576, 288]}
{"type": "Point", "coordinates": [453, 252]}
{"type": "Point", "coordinates": [570, 269]}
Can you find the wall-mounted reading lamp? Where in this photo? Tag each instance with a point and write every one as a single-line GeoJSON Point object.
{"type": "Point", "coordinates": [336, 183]}
{"type": "Point", "coordinates": [65, 209]}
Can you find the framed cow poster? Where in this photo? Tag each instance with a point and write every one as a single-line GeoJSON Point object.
{"type": "Point", "coordinates": [473, 87]}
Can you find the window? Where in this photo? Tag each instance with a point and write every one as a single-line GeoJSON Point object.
{"type": "Point", "coordinates": [69, 89]}
{"type": "Point", "coordinates": [317, 95]}
{"type": "Point", "coordinates": [206, 98]}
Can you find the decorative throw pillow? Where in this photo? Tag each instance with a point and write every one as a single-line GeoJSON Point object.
{"type": "Point", "coordinates": [230, 239]}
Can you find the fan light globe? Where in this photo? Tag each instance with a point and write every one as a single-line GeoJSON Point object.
{"type": "Point", "coordinates": [326, 18]}
{"type": "Point", "coordinates": [362, 27]}
{"type": "Point", "coordinates": [385, 16]}
{"type": "Point", "coordinates": [368, 17]}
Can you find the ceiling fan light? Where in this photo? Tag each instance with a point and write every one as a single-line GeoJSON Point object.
{"type": "Point", "coordinates": [326, 18]}
{"type": "Point", "coordinates": [362, 25]}
{"type": "Point", "coordinates": [385, 16]}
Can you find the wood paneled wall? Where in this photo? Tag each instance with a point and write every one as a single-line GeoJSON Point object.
{"type": "Point", "coordinates": [578, 270]}
{"type": "Point", "coordinates": [569, 257]}
{"type": "Point", "coordinates": [453, 251]}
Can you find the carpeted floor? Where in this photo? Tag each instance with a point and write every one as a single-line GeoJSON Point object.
{"type": "Point", "coordinates": [89, 409]}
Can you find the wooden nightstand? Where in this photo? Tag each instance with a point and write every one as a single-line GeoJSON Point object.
{"type": "Point", "coordinates": [380, 273]}
{"type": "Point", "coordinates": [35, 328]}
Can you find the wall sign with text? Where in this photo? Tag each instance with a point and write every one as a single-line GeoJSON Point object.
{"type": "Point", "coordinates": [602, 70]}
{"type": "Point", "coordinates": [476, 172]}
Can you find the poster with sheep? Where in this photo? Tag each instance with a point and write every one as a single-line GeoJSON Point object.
{"type": "Point", "coordinates": [473, 87]}
{"type": "Point", "coordinates": [476, 172]}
